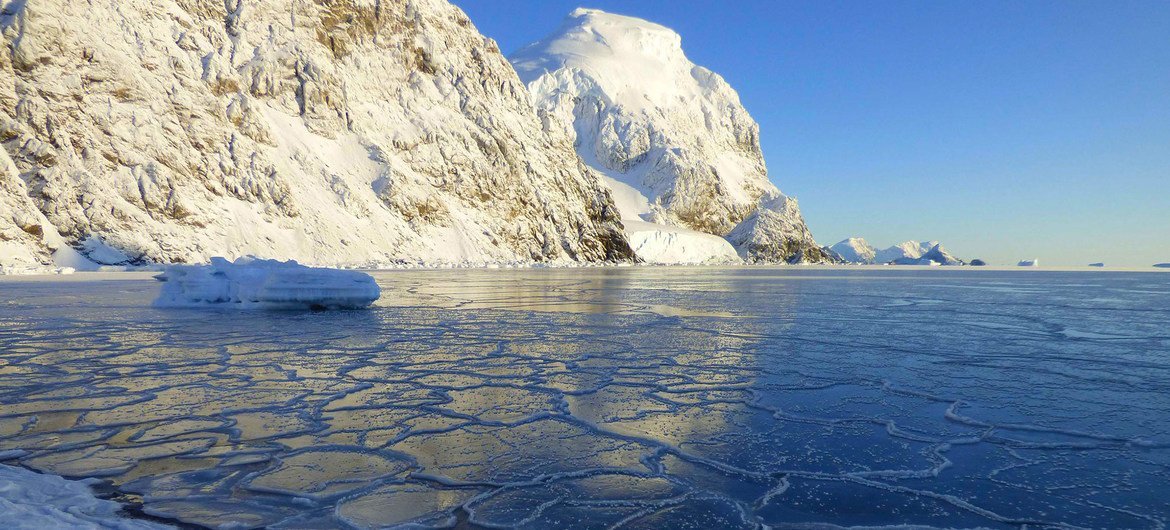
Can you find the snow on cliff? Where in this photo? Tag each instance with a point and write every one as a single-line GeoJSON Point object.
{"type": "Point", "coordinates": [670, 137]}
{"type": "Point", "coordinates": [345, 132]}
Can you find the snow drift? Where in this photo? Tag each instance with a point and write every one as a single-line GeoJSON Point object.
{"type": "Point", "coordinates": [672, 245]}
{"type": "Point", "coordinates": [265, 284]}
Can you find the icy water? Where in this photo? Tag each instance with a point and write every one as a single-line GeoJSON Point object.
{"type": "Point", "coordinates": [639, 397]}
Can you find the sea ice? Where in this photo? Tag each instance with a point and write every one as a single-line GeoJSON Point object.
{"type": "Point", "coordinates": [641, 397]}
{"type": "Point", "coordinates": [32, 500]}
{"type": "Point", "coordinates": [268, 284]}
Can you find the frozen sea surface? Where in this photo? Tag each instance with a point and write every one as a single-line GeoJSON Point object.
{"type": "Point", "coordinates": [635, 397]}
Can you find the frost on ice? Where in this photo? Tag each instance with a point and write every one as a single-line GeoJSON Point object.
{"type": "Point", "coordinates": [266, 284]}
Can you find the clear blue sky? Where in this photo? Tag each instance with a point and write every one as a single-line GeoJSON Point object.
{"type": "Point", "coordinates": [1005, 129]}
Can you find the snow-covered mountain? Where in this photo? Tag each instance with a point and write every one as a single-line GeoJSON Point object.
{"type": "Point", "coordinates": [671, 138]}
{"type": "Point", "coordinates": [916, 253]}
{"type": "Point", "coordinates": [342, 132]}
{"type": "Point", "coordinates": [857, 250]}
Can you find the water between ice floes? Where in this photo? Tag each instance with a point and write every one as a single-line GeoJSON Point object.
{"type": "Point", "coordinates": [649, 398]}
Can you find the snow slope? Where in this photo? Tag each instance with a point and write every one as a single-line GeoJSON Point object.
{"type": "Point", "coordinates": [672, 135]}
{"type": "Point", "coordinates": [336, 133]}
{"type": "Point", "coordinates": [673, 245]}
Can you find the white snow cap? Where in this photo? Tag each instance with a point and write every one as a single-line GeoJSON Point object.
{"type": "Point", "coordinates": [638, 63]}
{"type": "Point", "coordinates": [265, 284]}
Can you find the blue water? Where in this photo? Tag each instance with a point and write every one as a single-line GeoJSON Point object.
{"type": "Point", "coordinates": [634, 397]}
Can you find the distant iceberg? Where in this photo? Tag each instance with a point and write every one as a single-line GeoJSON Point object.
{"type": "Point", "coordinates": [1029, 263]}
{"type": "Point", "coordinates": [1098, 264]}
{"type": "Point", "coordinates": [1162, 265]}
{"type": "Point", "coordinates": [265, 284]}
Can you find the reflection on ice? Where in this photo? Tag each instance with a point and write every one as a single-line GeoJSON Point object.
{"type": "Point", "coordinates": [642, 398]}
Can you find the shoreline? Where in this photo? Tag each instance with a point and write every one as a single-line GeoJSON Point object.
{"type": "Point", "coordinates": [148, 272]}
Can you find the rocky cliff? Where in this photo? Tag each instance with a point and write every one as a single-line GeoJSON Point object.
{"type": "Point", "coordinates": [670, 137]}
{"type": "Point", "coordinates": [334, 132]}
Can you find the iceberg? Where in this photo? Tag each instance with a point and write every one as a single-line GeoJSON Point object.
{"type": "Point", "coordinates": [1098, 264]}
{"type": "Point", "coordinates": [1029, 263]}
{"type": "Point", "coordinates": [1162, 265]}
{"type": "Point", "coordinates": [250, 282]}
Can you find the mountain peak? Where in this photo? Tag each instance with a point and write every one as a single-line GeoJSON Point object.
{"type": "Point", "coordinates": [671, 139]}
{"type": "Point", "coordinates": [616, 52]}
{"type": "Point", "coordinates": [623, 31]}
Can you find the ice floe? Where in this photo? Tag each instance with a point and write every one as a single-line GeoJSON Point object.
{"type": "Point", "coordinates": [267, 284]}
{"type": "Point", "coordinates": [33, 500]}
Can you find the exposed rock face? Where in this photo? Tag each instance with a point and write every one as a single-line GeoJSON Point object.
{"type": "Point", "coordinates": [22, 227]}
{"type": "Point", "coordinates": [670, 136]}
{"type": "Point", "coordinates": [333, 132]}
{"type": "Point", "coordinates": [776, 233]}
